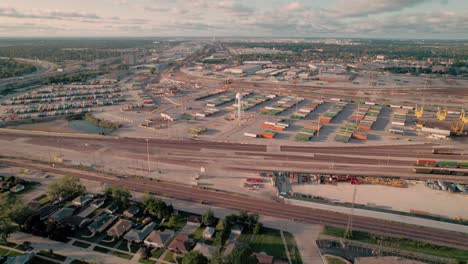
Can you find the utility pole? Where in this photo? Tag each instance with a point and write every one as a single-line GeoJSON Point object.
{"type": "Point", "coordinates": [147, 154]}
{"type": "Point", "coordinates": [349, 228]}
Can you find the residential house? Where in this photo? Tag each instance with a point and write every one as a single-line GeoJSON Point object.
{"type": "Point", "coordinates": [76, 222]}
{"type": "Point", "coordinates": [112, 209]}
{"type": "Point", "coordinates": [159, 239]}
{"type": "Point", "coordinates": [47, 210]}
{"type": "Point", "coordinates": [180, 244]}
{"type": "Point", "coordinates": [82, 200]}
{"type": "Point", "coordinates": [101, 222]}
{"type": "Point", "coordinates": [62, 214]}
{"type": "Point", "coordinates": [204, 249]}
{"type": "Point", "coordinates": [17, 188]}
{"type": "Point", "coordinates": [208, 232]}
{"type": "Point", "coordinates": [237, 230]}
{"type": "Point", "coordinates": [131, 211]}
{"type": "Point", "coordinates": [263, 258]}
{"type": "Point", "coordinates": [93, 206]}
{"type": "Point", "coordinates": [138, 235]}
{"type": "Point", "coordinates": [120, 228]}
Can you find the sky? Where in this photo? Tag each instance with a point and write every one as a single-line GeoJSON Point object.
{"type": "Point", "coordinates": [415, 19]}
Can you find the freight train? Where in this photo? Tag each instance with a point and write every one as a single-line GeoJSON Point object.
{"type": "Point", "coordinates": [456, 172]}
{"type": "Point", "coordinates": [442, 163]}
{"type": "Point", "coordinates": [446, 151]}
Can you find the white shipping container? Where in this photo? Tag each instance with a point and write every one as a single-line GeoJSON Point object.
{"type": "Point", "coordinates": [250, 135]}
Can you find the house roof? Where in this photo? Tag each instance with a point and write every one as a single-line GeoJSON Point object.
{"type": "Point", "coordinates": [139, 235]}
{"type": "Point", "coordinates": [75, 220]}
{"type": "Point", "coordinates": [209, 231]}
{"type": "Point", "coordinates": [98, 202]}
{"type": "Point", "coordinates": [62, 214]}
{"type": "Point", "coordinates": [159, 237]}
{"type": "Point", "coordinates": [101, 220]}
{"type": "Point", "coordinates": [82, 199]}
{"type": "Point", "coordinates": [133, 210]}
{"type": "Point", "coordinates": [180, 243]}
{"type": "Point", "coordinates": [263, 258]}
{"type": "Point", "coordinates": [46, 210]}
{"type": "Point", "coordinates": [204, 249]}
{"type": "Point", "coordinates": [119, 228]}
{"type": "Point", "coordinates": [113, 207]}
{"type": "Point", "coordinates": [17, 188]}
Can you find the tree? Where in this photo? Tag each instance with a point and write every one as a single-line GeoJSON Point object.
{"type": "Point", "coordinates": [194, 257]}
{"type": "Point", "coordinates": [172, 222]}
{"type": "Point", "coordinates": [219, 239]}
{"type": "Point", "coordinates": [9, 207]}
{"type": "Point", "coordinates": [121, 197]}
{"type": "Point", "coordinates": [65, 188]}
{"type": "Point", "coordinates": [258, 228]}
{"type": "Point", "coordinates": [217, 257]}
{"type": "Point", "coordinates": [156, 206]}
{"type": "Point", "coordinates": [241, 256]}
{"type": "Point", "coordinates": [208, 218]}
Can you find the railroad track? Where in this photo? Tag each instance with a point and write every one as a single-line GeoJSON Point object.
{"type": "Point", "coordinates": [263, 207]}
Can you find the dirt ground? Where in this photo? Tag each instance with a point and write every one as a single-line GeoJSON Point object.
{"type": "Point", "coordinates": [416, 197]}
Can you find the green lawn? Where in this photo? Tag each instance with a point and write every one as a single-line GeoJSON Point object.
{"type": "Point", "coordinates": [123, 246]}
{"type": "Point", "coordinates": [52, 255]}
{"type": "Point", "coordinates": [332, 260]}
{"type": "Point", "coordinates": [146, 261]}
{"type": "Point", "coordinates": [401, 243]}
{"type": "Point", "coordinates": [101, 249]}
{"type": "Point", "coordinates": [197, 234]}
{"type": "Point", "coordinates": [122, 255]}
{"type": "Point", "coordinates": [180, 223]}
{"type": "Point", "coordinates": [292, 248]}
{"type": "Point", "coordinates": [81, 244]}
{"type": "Point", "coordinates": [269, 241]}
{"type": "Point", "coordinates": [169, 257]}
{"type": "Point", "coordinates": [111, 244]}
{"type": "Point", "coordinates": [157, 253]}
{"type": "Point", "coordinates": [3, 251]}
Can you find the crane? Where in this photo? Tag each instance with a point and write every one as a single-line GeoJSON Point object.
{"type": "Point", "coordinates": [441, 114]}
{"type": "Point", "coordinates": [419, 111]}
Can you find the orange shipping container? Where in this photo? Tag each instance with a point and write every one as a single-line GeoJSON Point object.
{"type": "Point", "coordinates": [364, 127]}
{"type": "Point", "coordinates": [277, 128]}
{"type": "Point", "coordinates": [360, 136]}
{"type": "Point", "coordinates": [267, 135]}
{"type": "Point", "coordinates": [325, 120]}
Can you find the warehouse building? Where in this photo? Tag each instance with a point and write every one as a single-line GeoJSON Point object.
{"type": "Point", "coordinates": [244, 69]}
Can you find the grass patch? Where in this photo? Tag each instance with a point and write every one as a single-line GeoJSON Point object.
{"type": "Point", "coordinates": [133, 247]}
{"type": "Point", "coordinates": [110, 244]}
{"type": "Point", "coordinates": [332, 260]}
{"type": "Point", "coordinates": [101, 249]}
{"type": "Point", "coordinates": [81, 244]}
{"type": "Point", "coordinates": [180, 223]}
{"type": "Point", "coordinates": [42, 199]}
{"type": "Point", "coordinates": [146, 261]}
{"type": "Point", "coordinates": [197, 234]}
{"type": "Point", "coordinates": [169, 257]}
{"type": "Point", "coordinates": [269, 241]}
{"type": "Point", "coordinates": [52, 255]}
{"type": "Point", "coordinates": [157, 253]}
{"type": "Point", "coordinates": [7, 244]}
{"type": "Point", "coordinates": [122, 255]}
{"type": "Point", "coordinates": [292, 248]}
{"type": "Point", "coordinates": [401, 243]}
{"type": "Point", "coordinates": [3, 251]}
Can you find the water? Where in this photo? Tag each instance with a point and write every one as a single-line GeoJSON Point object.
{"type": "Point", "coordinates": [84, 126]}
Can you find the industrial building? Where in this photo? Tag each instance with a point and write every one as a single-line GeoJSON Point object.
{"type": "Point", "coordinates": [244, 69]}
{"type": "Point", "coordinates": [130, 58]}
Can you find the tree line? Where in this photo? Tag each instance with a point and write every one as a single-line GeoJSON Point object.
{"type": "Point", "coordinates": [12, 68]}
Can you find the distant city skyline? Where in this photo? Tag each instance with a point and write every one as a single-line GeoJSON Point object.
{"type": "Point", "coordinates": [415, 19]}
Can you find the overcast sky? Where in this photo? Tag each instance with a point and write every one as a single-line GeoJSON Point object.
{"type": "Point", "coordinates": [437, 19]}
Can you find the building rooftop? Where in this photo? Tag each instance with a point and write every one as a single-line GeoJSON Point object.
{"type": "Point", "coordinates": [119, 228]}
{"type": "Point", "coordinates": [139, 235]}
{"type": "Point", "coordinates": [62, 214]}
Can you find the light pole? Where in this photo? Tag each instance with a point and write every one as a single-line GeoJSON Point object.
{"type": "Point", "coordinates": [147, 154]}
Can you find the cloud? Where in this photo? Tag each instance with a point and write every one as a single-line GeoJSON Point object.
{"type": "Point", "coordinates": [362, 8]}
{"type": "Point", "coordinates": [234, 8]}
{"type": "Point", "coordinates": [294, 6]}
{"type": "Point", "coordinates": [45, 14]}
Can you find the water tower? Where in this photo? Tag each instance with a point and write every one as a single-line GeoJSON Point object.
{"type": "Point", "coordinates": [239, 105]}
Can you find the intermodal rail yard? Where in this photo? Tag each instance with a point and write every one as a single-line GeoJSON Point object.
{"type": "Point", "coordinates": [346, 144]}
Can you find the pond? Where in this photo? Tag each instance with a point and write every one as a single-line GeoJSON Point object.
{"type": "Point", "coordinates": [84, 126]}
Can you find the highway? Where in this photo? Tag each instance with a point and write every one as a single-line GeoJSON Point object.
{"type": "Point", "coordinates": [263, 207]}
